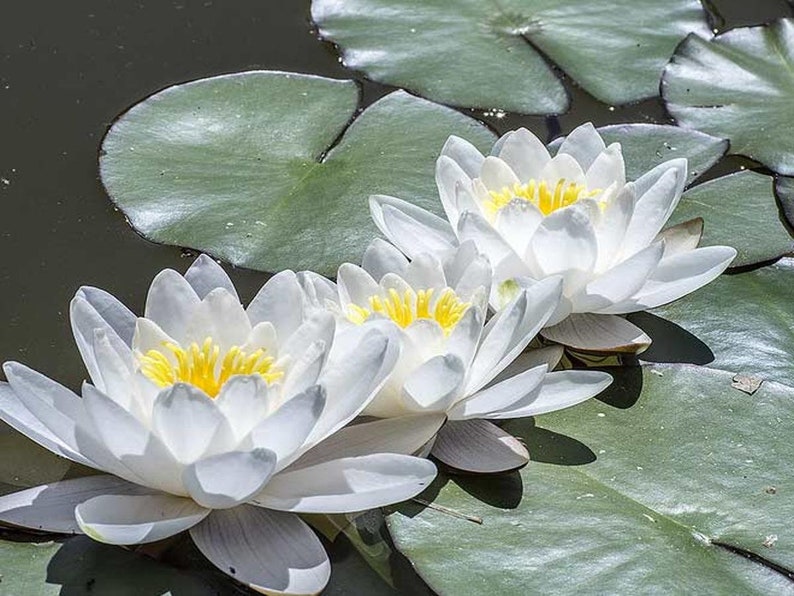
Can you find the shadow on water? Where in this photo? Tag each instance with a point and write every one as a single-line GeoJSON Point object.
{"type": "Point", "coordinates": [625, 389]}
{"type": "Point", "coordinates": [671, 343]}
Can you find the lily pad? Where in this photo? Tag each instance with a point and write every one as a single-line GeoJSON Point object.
{"type": "Point", "coordinates": [491, 54]}
{"type": "Point", "coordinates": [645, 146]}
{"type": "Point", "coordinates": [745, 320]}
{"type": "Point", "coordinates": [738, 85]}
{"type": "Point", "coordinates": [645, 499]}
{"type": "Point", "coordinates": [784, 189]}
{"type": "Point", "coordinates": [267, 171]}
{"type": "Point", "coordinates": [740, 211]}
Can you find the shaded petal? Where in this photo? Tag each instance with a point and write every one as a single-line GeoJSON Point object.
{"type": "Point", "coordinates": [228, 479]}
{"type": "Point", "coordinates": [50, 507]}
{"type": "Point", "coordinates": [607, 169]}
{"type": "Point", "coordinates": [682, 237]}
{"type": "Point", "coordinates": [560, 389]}
{"type": "Point", "coordinates": [270, 551]}
{"type": "Point", "coordinates": [405, 435]}
{"type": "Point", "coordinates": [304, 372]}
{"type": "Point", "coordinates": [563, 167]}
{"type": "Point", "coordinates": [204, 275]}
{"type": "Point", "coordinates": [381, 258]}
{"type": "Point", "coordinates": [116, 372]}
{"type": "Point", "coordinates": [279, 301]}
{"type": "Point", "coordinates": [598, 333]}
{"type": "Point", "coordinates": [319, 291]}
{"type": "Point", "coordinates": [245, 401]}
{"type": "Point", "coordinates": [137, 519]}
{"type": "Point", "coordinates": [525, 154]}
{"type": "Point", "coordinates": [410, 228]}
{"type": "Point", "coordinates": [425, 271]}
{"type": "Point", "coordinates": [450, 180]}
{"type": "Point", "coordinates": [499, 396]}
{"type": "Point", "coordinates": [517, 222]}
{"type": "Point", "coordinates": [117, 316]}
{"type": "Point", "coordinates": [187, 421]}
{"type": "Point", "coordinates": [434, 385]}
{"type": "Point", "coordinates": [465, 337]}
{"type": "Point", "coordinates": [319, 326]}
{"type": "Point", "coordinates": [479, 446]}
{"type": "Point", "coordinates": [348, 484]}
{"type": "Point", "coordinates": [565, 241]}
{"type": "Point", "coordinates": [355, 285]}
{"type": "Point", "coordinates": [612, 226]}
{"type": "Point", "coordinates": [496, 174]}
{"type": "Point", "coordinates": [221, 317]}
{"type": "Point", "coordinates": [584, 144]}
{"type": "Point", "coordinates": [466, 155]}
{"type": "Point", "coordinates": [170, 303]}
{"type": "Point", "coordinates": [501, 255]}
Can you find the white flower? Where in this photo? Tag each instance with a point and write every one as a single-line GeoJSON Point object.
{"type": "Point", "coordinates": [572, 215]}
{"type": "Point", "coordinates": [205, 417]}
{"type": "Point", "coordinates": [451, 361]}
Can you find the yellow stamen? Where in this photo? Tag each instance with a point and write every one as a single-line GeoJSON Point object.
{"type": "Point", "coordinates": [539, 194]}
{"type": "Point", "coordinates": [203, 367]}
{"type": "Point", "coordinates": [404, 309]}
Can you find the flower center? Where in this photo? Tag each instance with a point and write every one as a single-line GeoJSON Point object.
{"type": "Point", "coordinates": [544, 196]}
{"type": "Point", "coordinates": [404, 309]}
{"type": "Point", "coordinates": [203, 366]}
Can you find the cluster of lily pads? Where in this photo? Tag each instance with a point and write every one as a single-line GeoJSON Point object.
{"type": "Point", "coordinates": [328, 397]}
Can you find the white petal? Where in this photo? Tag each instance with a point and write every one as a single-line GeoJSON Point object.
{"type": "Point", "coordinates": [170, 302]}
{"type": "Point", "coordinates": [607, 169]}
{"type": "Point", "coordinates": [550, 356]}
{"type": "Point", "coordinates": [565, 241]}
{"type": "Point", "coordinates": [348, 484]}
{"type": "Point", "coordinates": [435, 385]}
{"type": "Point", "coordinates": [117, 316]}
{"type": "Point", "coordinates": [304, 372]}
{"type": "Point", "coordinates": [137, 519]}
{"type": "Point", "coordinates": [424, 272]}
{"type": "Point", "coordinates": [280, 301]}
{"type": "Point", "coordinates": [187, 421]}
{"type": "Point", "coordinates": [479, 446]}
{"type": "Point", "coordinates": [525, 154]}
{"type": "Point", "coordinates": [245, 401]}
{"type": "Point", "coordinates": [450, 180]}
{"type": "Point", "coordinates": [318, 290]}
{"type": "Point", "coordinates": [499, 396]}
{"type": "Point", "coordinates": [50, 507]}
{"type": "Point", "coordinates": [116, 372]}
{"type": "Point", "coordinates": [286, 429]}
{"type": "Point", "coordinates": [463, 340]}
{"type": "Point", "coordinates": [561, 389]}
{"type": "Point", "coordinates": [381, 258]}
{"type": "Point", "coordinates": [228, 479]}
{"type": "Point", "coordinates": [405, 435]}
{"type": "Point", "coordinates": [410, 228]}
{"type": "Point", "coordinates": [319, 326]}
{"type": "Point", "coordinates": [270, 551]}
{"type": "Point", "coordinates": [149, 336]}
{"type": "Point", "coordinates": [132, 443]}
{"type": "Point", "coordinates": [598, 333]}
{"type": "Point", "coordinates": [654, 206]}
{"type": "Point", "coordinates": [352, 377]}
{"type": "Point", "coordinates": [511, 329]}
{"type": "Point", "coordinates": [517, 222]}
{"type": "Point", "coordinates": [621, 282]}
{"type": "Point", "coordinates": [263, 336]}
{"type": "Point", "coordinates": [677, 276]}
{"type": "Point", "coordinates": [612, 226]}
{"type": "Point", "coordinates": [475, 228]}
{"type": "Point", "coordinates": [355, 285]}
{"type": "Point", "coordinates": [584, 144]}
{"type": "Point", "coordinates": [496, 174]}
{"type": "Point", "coordinates": [466, 155]}
{"type": "Point", "coordinates": [562, 167]}
{"type": "Point", "coordinates": [681, 238]}
{"type": "Point", "coordinates": [221, 317]}
{"type": "Point", "coordinates": [204, 275]}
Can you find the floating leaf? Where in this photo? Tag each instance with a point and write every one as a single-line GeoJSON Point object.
{"type": "Point", "coordinates": [491, 54]}
{"type": "Point", "coordinates": [739, 85]}
{"type": "Point", "coordinates": [619, 497]}
{"type": "Point", "coordinates": [745, 320]}
{"type": "Point", "coordinates": [740, 211]}
{"type": "Point", "coordinates": [263, 169]}
{"type": "Point", "coordinates": [784, 188]}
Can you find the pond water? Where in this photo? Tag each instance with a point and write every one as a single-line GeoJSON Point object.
{"type": "Point", "coordinates": [67, 69]}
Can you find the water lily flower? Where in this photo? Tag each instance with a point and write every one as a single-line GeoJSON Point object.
{"type": "Point", "coordinates": [224, 421]}
{"type": "Point", "coordinates": [572, 215]}
{"type": "Point", "coordinates": [452, 361]}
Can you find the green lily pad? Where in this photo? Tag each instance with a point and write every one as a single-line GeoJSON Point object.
{"type": "Point", "coordinates": [745, 320]}
{"type": "Point", "coordinates": [784, 189]}
{"type": "Point", "coordinates": [265, 169]}
{"type": "Point", "coordinates": [740, 211]}
{"type": "Point", "coordinates": [739, 85]}
{"type": "Point", "coordinates": [491, 54]}
{"type": "Point", "coordinates": [625, 499]}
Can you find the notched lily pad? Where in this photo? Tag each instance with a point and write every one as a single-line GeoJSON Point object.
{"type": "Point", "coordinates": [738, 85]}
{"type": "Point", "coordinates": [683, 469]}
{"type": "Point", "coordinates": [487, 54]}
{"type": "Point", "coordinates": [266, 170]}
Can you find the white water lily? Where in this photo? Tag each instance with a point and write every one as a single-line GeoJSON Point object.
{"type": "Point", "coordinates": [572, 215]}
{"type": "Point", "coordinates": [216, 419]}
{"type": "Point", "coordinates": [452, 362]}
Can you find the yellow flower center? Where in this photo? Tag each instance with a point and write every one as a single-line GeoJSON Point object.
{"type": "Point", "coordinates": [203, 367]}
{"type": "Point", "coordinates": [544, 196]}
{"type": "Point", "coordinates": [404, 309]}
